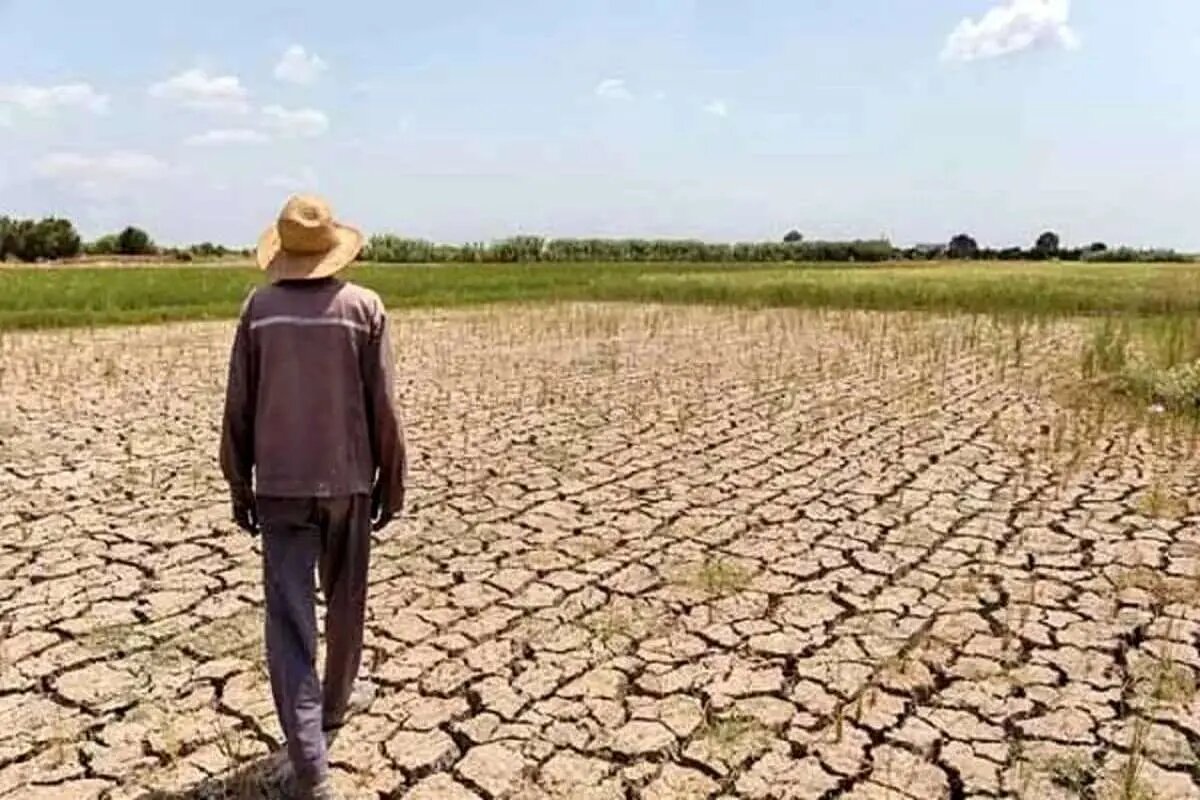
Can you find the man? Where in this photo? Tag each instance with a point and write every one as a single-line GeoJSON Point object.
{"type": "Point", "coordinates": [314, 453]}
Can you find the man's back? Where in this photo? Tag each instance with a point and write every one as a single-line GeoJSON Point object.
{"type": "Point", "coordinates": [310, 395]}
{"type": "Point", "coordinates": [313, 450]}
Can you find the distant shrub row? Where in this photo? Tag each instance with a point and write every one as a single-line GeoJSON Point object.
{"type": "Point", "coordinates": [56, 238]}
{"type": "Point", "coordinates": [394, 249]}
{"type": "Point", "coordinates": [1123, 255]}
{"type": "Point", "coordinates": [136, 242]}
{"type": "Point", "coordinates": [387, 248]}
{"type": "Point", "coordinates": [1047, 247]}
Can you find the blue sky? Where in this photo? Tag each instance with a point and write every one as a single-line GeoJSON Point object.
{"type": "Point", "coordinates": [461, 120]}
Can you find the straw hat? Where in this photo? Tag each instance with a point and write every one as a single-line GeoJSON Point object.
{"type": "Point", "coordinates": [306, 243]}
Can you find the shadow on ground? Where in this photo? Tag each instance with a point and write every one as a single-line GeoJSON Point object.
{"type": "Point", "coordinates": [250, 782]}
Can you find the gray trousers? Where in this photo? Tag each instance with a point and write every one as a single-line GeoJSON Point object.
{"type": "Point", "coordinates": [331, 537]}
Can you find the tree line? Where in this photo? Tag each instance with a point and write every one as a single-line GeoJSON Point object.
{"type": "Point", "coordinates": [388, 248]}
{"type": "Point", "coordinates": [1047, 247]}
{"type": "Point", "coordinates": [55, 238]}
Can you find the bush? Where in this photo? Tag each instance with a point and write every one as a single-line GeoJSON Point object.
{"type": "Point", "coordinates": [135, 242]}
{"type": "Point", "coordinates": [1176, 389]}
{"type": "Point", "coordinates": [104, 246]}
{"type": "Point", "coordinates": [49, 238]}
{"type": "Point", "coordinates": [963, 246]}
{"type": "Point", "coordinates": [208, 250]}
{"type": "Point", "coordinates": [1153, 362]}
{"type": "Point", "coordinates": [515, 249]}
{"type": "Point", "coordinates": [1129, 255]}
{"type": "Point", "coordinates": [394, 249]}
{"type": "Point", "coordinates": [1047, 246]}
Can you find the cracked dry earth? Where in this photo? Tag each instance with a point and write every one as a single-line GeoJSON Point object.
{"type": "Point", "coordinates": [657, 553]}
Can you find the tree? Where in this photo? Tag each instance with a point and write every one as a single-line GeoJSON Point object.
{"type": "Point", "coordinates": [208, 250]}
{"type": "Point", "coordinates": [22, 243]}
{"type": "Point", "coordinates": [104, 246]}
{"type": "Point", "coordinates": [1047, 245]}
{"type": "Point", "coordinates": [45, 239]}
{"type": "Point", "coordinates": [1096, 247]}
{"type": "Point", "coordinates": [962, 246]}
{"type": "Point", "coordinates": [793, 237]}
{"type": "Point", "coordinates": [56, 238]}
{"type": "Point", "coordinates": [134, 242]}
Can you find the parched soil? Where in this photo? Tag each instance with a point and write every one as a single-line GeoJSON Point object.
{"type": "Point", "coordinates": [658, 553]}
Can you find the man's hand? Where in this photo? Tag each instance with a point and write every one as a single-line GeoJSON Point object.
{"type": "Point", "coordinates": [381, 513]}
{"type": "Point", "coordinates": [243, 511]}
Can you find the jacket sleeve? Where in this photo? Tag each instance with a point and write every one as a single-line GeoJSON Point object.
{"type": "Point", "coordinates": [237, 427]}
{"type": "Point", "coordinates": [388, 447]}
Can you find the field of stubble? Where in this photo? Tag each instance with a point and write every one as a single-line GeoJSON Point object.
{"type": "Point", "coordinates": [659, 553]}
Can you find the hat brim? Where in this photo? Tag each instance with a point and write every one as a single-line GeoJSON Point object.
{"type": "Point", "coordinates": [280, 265]}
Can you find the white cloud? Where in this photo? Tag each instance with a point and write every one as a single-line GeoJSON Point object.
{"type": "Point", "coordinates": [43, 100]}
{"type": "Point", "coordinates": [1010, 27]}
{"type": "Point", "coordinates": [301, 122]}
{"type": "Point", "coordinates": [306, 180]}
{"type": "Point", "coordinates": [197, 89]}
{"type": "Point", "coordinates": [613, 89]}
{"type": "Point", "coordinates": [718, 108]}
{"type": "Point", "coordinates": [300, 66]}
{"type": "Point", "coordinates": [227, 136]}
{"type": "Point", "coordinates": [120, 166]}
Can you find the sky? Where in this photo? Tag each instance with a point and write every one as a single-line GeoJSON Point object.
{"type": "Point", "coordinates": [467, 120]}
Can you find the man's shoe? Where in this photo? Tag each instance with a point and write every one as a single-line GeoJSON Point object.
{"type": "Point", "coordinates": [278, 770]}
{"type": "Point", "coordinates": [361, 697]}
{"type": "Point", "coordinates": [295, 790]}
{"type": "Point", "coordinates": [323, 791]}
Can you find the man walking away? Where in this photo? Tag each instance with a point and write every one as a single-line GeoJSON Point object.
{"type": "Point", "coordinates": [314, 453]}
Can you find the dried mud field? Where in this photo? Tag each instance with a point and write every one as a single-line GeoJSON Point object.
{"type": "Point", "coordinates": [656, 553]}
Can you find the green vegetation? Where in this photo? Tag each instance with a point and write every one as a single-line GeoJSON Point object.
{"type": "Point", "coordinates": [387, 248]}
{"type": "Point", "coordinates": [38, 297]}
{"type": "Point", "coordinates": [55, 239]}
{"type": "Point", "coordinates": [716, 577]}
{"type": "Point", "coordinates": [29, 240]}
{"type": "Point", "coordinates": [732, 736]}
{"type": "Point", "coordinates": [1155, 362]}
{"type": "Point", "coordinates": [1074, 772]}
{"type": "Point", "coordinates": [129, 242]}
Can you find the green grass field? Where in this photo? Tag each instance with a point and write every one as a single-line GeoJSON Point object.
{"type": "Point", "coordinates": [46, 298]}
